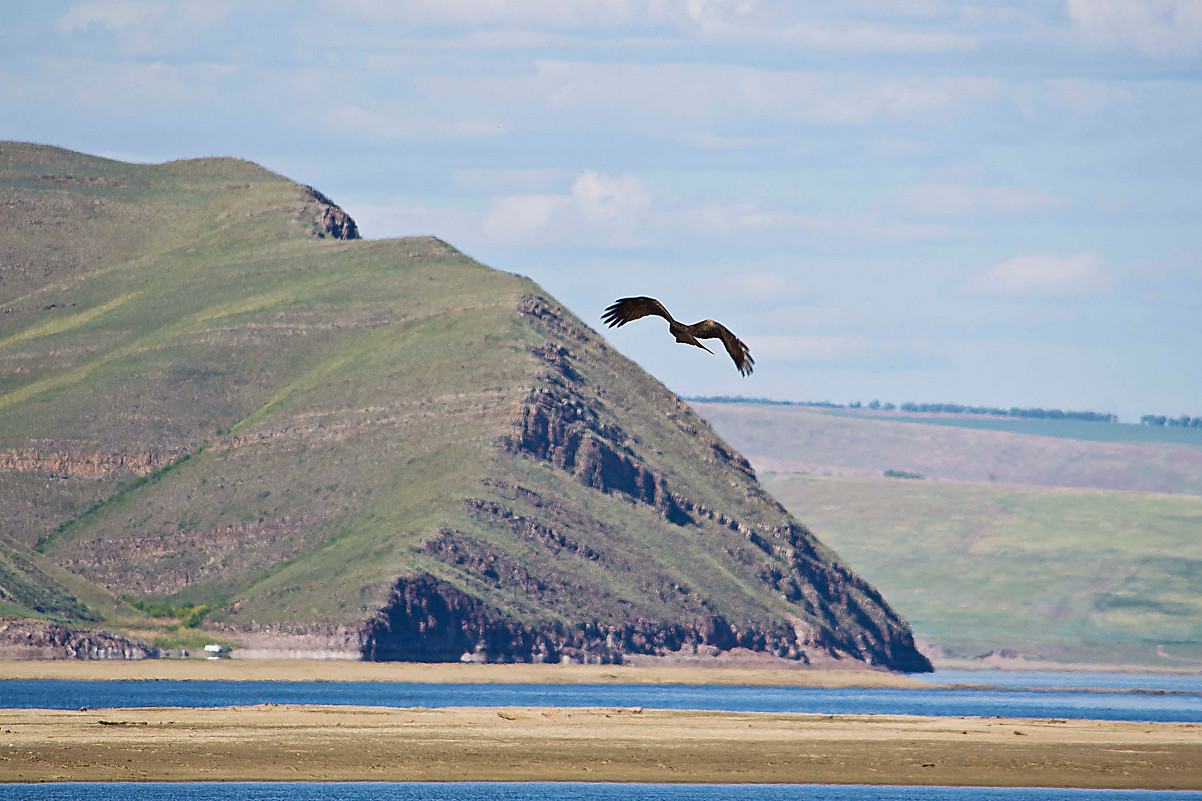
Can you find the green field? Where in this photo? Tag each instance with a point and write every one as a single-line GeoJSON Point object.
{"type": "Point", "coordinates": [1058, 574]}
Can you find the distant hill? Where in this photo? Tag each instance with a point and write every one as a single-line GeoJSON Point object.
{"type": "Point", "coordinates": [1062, 557]}
{"type": "Point", "coordinates": [219, 405]}
{"type": "Point", "coordinates": [794, 439]}
{"type": "Point", "coordinates": [1060, 575]}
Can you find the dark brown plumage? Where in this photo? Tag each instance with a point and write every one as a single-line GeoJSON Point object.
{"type": "Point", "coordinates": [626, 309]}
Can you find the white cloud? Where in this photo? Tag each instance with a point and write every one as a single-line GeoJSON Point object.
{"type": "Point", "coordinates": [597, 208]}
{"type": "Point", "coordinates": [561, 15]}
{"type": "Point", "coordinates": [1042, 275]}
{"type": "Point", "coordinates": [116, 15]}
{"type": "Point", "coordinates": [704, 92]}
{"type": "Point", "coordinates": [1154, 26]}
{"type": "Point", "coordinates": [601, 198]}
{"type": "Point", "coordinates": [501, 180]}
{"type": "Point", "coordinates": [146, 27]}
{"type": "Point", "coordinates": [760, 22]}
{"type": "Point", "coordinates": [117, 89]}
{"type": "Point", "coordinates": [715, 219]}
{"type": "Point", "coordinates": [1083, 97]}
{"type": "Point", "coordinates": [966, 200]}
{"type": "Point", "coordinates": [762, 286]}
{"type": "Point", "coordinates": [394, 122]}
{"type": "Point", "coordinates": [521, 217]}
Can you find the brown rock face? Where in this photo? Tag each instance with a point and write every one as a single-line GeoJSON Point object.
{"type": "Point", "coordinates": [25, 639]}
{"type": "Point", "coordinates": [330, 220]}
{"type": "Point", "coordinates": [428, 620]}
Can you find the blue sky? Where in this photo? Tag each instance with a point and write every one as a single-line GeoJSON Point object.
{"type": "Point", "coordinates": [992, 203]}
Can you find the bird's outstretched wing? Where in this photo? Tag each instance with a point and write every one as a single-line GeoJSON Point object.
{"type": "Point", "coordinates": [626, 309]}
{"type": "Point", "coordinates": [710, 329]}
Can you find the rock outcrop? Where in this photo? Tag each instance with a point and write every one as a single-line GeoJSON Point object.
{"type": "Point", "coordinates": [428, 620]}
{"type": "Point", "coordinates": [329, 220]}
{"type": "Point", "coordinates": [33, 639]}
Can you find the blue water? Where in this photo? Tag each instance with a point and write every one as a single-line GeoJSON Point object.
{"type": "Point", "coordinates": [1155, 682]}
{"type": "Point", "coordinates": [1180, 706]}
{"type": "Point", "coordinates": [560, 791]}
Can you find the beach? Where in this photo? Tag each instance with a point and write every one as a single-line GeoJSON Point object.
{"type": "Point", "coordinates": [327, 743]}
{"type": "Point", "coordinates": [310, 742]}
{"type": "Point", "coordinates": [337, 670]}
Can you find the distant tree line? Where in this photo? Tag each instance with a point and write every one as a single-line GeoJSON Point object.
{"type": "Point", "coordinates": [1184, 421]}
{"type": "Point", "coordinates": [945, 408]}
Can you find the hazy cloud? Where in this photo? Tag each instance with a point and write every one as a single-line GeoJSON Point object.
{"type": "Point", "coordinates": [963, 200]}
{"type": "Point", "coordinates": [843, 350]}
{"type": "Point", "coordinates": [764, 287]}
{"type": "Point", "coordinates": [1042, 275]}
{"type": "Point", "coordinates": [816, 26]}
{"type": "Point", "coordinates": [398, 123]}
{"type": "Point", "coordinates": [145, 27]}
{"type": "Point", "coordinates": [1154, 26]}
{"type": "Point", "coordinates": [597, 207]}
{"type": "Point", "coordinates": [679, 92]}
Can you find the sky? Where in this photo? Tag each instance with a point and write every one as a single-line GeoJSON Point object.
{"type": "Point", "coordinates": [993, 203]}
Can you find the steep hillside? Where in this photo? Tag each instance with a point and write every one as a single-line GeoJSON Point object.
{"type": "Point", "coordinates": [212, 395]}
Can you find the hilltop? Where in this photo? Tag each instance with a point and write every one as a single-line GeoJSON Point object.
{"type": "Point", "coordinates": [222, 406]}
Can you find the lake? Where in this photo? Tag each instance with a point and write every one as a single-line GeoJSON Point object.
{"type": "Point", "coordinates": [1177, 699]}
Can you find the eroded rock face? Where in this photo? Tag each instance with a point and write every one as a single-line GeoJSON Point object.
{"type": "Point", "coordinates": [428, 620]}
{"type": "Point", "coordinates": [85, 465]}
{"type": "Point", "coordinates": [330, 220]}
{"type": "Point", "coordinates": [32, 639]}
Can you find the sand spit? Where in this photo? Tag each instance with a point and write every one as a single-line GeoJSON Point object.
{"type": "Point", "coordinates": [316, 670]}
{"type": "Point", "coordinates": [326, 743]}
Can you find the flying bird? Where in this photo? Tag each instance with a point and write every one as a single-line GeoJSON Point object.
{"type": "Point", "coordinates": [626, 309]}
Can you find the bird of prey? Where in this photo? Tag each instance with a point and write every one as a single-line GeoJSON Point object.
{"type": "Point", "coordinates": [626, 309]}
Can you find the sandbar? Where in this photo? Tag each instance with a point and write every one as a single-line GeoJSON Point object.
{"type": "Point", "coordinates": [337, 743]}
{"type": "Point", "coordinates": [334, 670]}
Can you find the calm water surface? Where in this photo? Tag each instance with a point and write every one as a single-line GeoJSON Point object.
{"type": "Point", "coordinates": [1174, 682]}
{"type": "Point", "coordinates": [566, 791]}
{"type": "Point", "coordinates": [1182, 705]}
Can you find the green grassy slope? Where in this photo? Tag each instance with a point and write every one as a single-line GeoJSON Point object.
{"type": "Point", "coordinates": [1059, 574]}
{"type": "Point", "coordinates": [227, 410]}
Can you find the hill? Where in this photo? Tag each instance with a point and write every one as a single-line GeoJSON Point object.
{"type": "Point", "coordinates": [1059, 575]}
{"type": "Point", "coordinates": [1061, 557]}
{"type": "Point", "coordinates": [220, 405]}
{"type": "Point", "coordinates": [800, 439]}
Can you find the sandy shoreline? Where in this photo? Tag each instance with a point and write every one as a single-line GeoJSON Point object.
{"type": "Point", "coordinates": [316, 670]}
{"type": "Point", "coordinates": [325, 743]}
